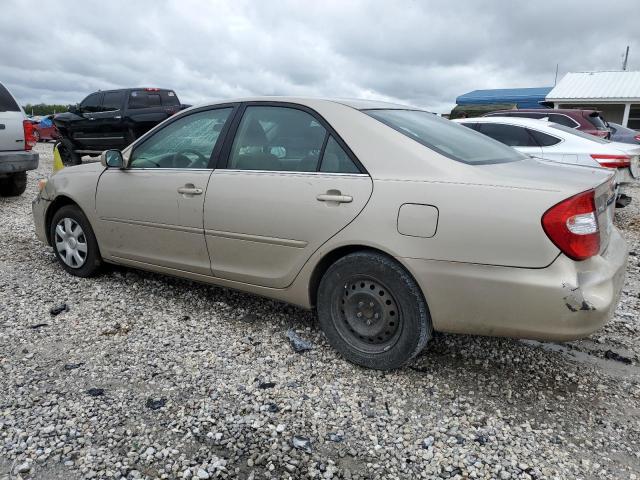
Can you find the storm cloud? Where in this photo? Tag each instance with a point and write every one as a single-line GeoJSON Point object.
{"type": "Point", "coordinates": [423, 53]}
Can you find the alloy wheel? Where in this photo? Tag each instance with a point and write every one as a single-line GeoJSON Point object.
{"type": "Point", "coordinates": [71, 243]}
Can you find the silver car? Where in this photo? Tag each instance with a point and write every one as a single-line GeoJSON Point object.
{"type": "Point", "coordinates": [390, 221]}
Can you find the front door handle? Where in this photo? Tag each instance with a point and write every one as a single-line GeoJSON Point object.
{"type": "Point", "coordinates": [334, 197]}
{"type": "Point", "coordinates": [190, 190]}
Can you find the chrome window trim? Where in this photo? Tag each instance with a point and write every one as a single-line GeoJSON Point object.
{"type": "Point", "coordinates": [292, 172]}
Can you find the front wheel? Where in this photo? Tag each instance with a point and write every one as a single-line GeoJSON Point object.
{"type": "Point", "coordinates": [67, 153]}
{"type": "Point", "coordinates": [372, 311]}
{"type": "Point", "coordinates": [74, 242]}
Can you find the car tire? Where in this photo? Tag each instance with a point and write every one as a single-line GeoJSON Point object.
{"type": "Point", "coordinates": [67, 154]}
{"type": "Point", "coordinates": [68, 240]}
{"type": "Point", "coordinates": [13, 185]}
{"type": "Point", "coordinates": [372, 311]}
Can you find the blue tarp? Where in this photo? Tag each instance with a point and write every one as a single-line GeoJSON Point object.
{"type": "Point", "coordinates": [522, 97]}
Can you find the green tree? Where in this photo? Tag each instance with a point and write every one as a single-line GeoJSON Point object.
{"type": "Point", "coordinates": [43, 109]}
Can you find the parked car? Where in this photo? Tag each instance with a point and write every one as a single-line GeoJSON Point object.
{"type": "Point", "coordinates": [623, 134]}
{"type": "Point", "coordinates": [588, 121]}
{"type": "Point", "coordinates": [16, 142]}
{"type": "Point", "coordinates": [389, 220]}
{"type": "Point", "coordinates": [112, 119]}
{"type": "Point", "coordinates": [44, 129]}
{"type": "Point", "coordinates": [559, 143]}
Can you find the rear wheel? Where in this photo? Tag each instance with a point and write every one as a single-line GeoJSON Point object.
{"type": "Point", "coordinates": [74, 242]}
{"type": "Point", "coordinates": [13, 185]}
{"type": "Point", "coordinates": [372, 311]}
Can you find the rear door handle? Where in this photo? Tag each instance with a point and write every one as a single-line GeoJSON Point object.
{"type": "Point", "coordinates": [190, 190]}
{"type": "Point", "coordinates": [329, 197]}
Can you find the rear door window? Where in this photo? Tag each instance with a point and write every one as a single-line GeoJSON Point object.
{"type": "Point", "coordinates": [336, 160]}
{"type": "Point", "coordinates": [7, 103]}
{"type": "Point", "coordinates": [277, 138]}
{"type": "Point", "coordinates": [511, 135]}
{"type": "Point", "coordinates": [112, 101]}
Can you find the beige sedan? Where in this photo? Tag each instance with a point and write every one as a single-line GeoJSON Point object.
{"type": "Point", "coordinates": [390, 221]}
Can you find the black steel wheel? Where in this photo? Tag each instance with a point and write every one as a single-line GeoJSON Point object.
{"type": "Point", "coordinates": [366, 314]}
{"type": "Point", "coordinates": [372, 311]}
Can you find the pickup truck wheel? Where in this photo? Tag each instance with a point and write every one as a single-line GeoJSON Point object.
{"type": "Point", "coordinates": [67, 155]}
{"type": "Point", "coordinates": [74, 242]}
{"type": "Point", "coordinates": [372, 311]}
{"type": "Point", "coordinates": [13, 185]}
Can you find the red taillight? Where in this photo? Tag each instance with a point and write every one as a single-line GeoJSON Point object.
{"type": "Point", "coordinates": [151, 89]}
{"type": "Point", "coordinates": [29, 138]}
{"type": "Point", "coordinates": [637, 137]}
{"type": "Point", "coordinates": [612, 161]}
{"type": "Point", "coordinates": [572, 225]}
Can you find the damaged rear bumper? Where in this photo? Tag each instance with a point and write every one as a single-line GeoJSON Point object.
{"type": "Point", "coordinates": [564, 301]}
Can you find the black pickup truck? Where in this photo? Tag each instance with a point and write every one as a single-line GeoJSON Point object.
{"type": "Point", "coordinates": [111, 119]}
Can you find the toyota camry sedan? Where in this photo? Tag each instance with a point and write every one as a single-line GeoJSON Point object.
{"type": "Point", "coordinates": [390, 221]}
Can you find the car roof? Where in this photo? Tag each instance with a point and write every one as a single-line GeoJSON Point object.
{"type": "Point", "coordinates": [523, 121]}
{"type": "Point", "coordinates": [356, 103]}
{"type": "Point", "coordinates": [566, 111]}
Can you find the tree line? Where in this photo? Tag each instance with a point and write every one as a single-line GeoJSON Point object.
{"type": "Point", "coordinates": [43, 109]}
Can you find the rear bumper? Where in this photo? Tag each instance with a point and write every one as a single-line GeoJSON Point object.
{"type": "Point", "coordinates": [624, 176]}
{"type": "Point", "coordinates": [564, 301]}
{"type": "Point", "coordinates": [13, 162]}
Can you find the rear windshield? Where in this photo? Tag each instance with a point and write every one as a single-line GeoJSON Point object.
{"type": "Point", "coordinates": [446, 137]}
{"type": "Point", "coordinates": [152, 98]}
{"type": "Point", "coordinates": [7, 103]}
{"type": "Point", "coordinates": [597, 121]}
{"type": "Point", "coordinates": [578, 133]}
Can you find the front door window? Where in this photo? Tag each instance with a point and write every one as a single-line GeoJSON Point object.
{"type": "Point", "coordinates": [185, 143]}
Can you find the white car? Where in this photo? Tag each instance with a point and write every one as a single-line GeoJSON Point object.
{"type": "Point", "coordinates": [16, 141]}
{"type": "Point", "coordinates": [551, 141]}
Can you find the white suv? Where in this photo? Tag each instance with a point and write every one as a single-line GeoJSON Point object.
{"type": "Point", "coordinates": [16, 141]}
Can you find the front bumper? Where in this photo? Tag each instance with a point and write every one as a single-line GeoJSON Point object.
{"type": "Point", "coordinates": [14, 162]}
{"type": "Point", "coordinates": [564, 301]}
{"type": "Point", "coordinates": [39, 209]}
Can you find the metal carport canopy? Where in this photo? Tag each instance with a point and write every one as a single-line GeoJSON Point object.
{"type": "Point", "coordinates": [522, 97]}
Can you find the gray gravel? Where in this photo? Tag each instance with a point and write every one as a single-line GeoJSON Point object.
{"type": "Point", "coordinates": [147, 376]}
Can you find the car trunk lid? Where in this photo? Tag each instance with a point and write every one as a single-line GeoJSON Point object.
{"type": "Point", "coordinates": [568, 180]}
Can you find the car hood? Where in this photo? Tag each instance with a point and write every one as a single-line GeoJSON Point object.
{"type": "Point", "coordinates": [545, 175]}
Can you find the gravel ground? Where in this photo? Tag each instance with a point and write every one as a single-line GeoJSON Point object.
{"type": "Point", "coordinates": [147, 376]}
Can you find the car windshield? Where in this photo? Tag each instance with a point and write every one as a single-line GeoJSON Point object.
{"type": "Point", "coordinates": [573, 131]}
{"type": "Point", "coordinates": [446, 137]}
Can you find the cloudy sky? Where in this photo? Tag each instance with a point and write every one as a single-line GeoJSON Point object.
{"type": "Point", "coordinates": [418, 52]}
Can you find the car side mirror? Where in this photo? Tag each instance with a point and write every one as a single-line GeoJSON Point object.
{"type": "Point", "coordinates": [112, 159]}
